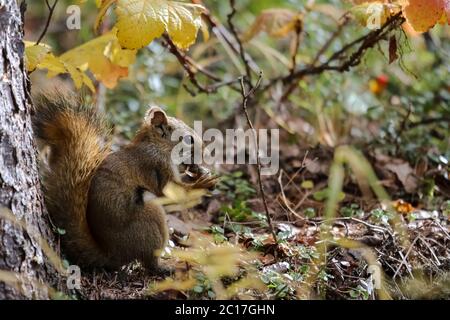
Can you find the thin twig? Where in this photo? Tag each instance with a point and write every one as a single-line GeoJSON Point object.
{"type": "Point", "coordinates": [297, 35]}
{"type": "Point", "coordinates": [202, 69]}
{"type": "Point", "coordinates": [439, 244]}
{"type": "Point", "coordinates": [285, 201]}
{"type": "Point", "coordinates": [367, 224]}
{"type": "Point", "coordinates": [405, 258]}
{"type": "Point", "coordinates": [322, 50]}
{"type": "Point", "coordinates": [330, 41]}
{"type": "Point", "coordinates": [436, 222]}
{"type": "Point", "coordinates": [191, 69]}
{"type": "Point", "coordinates": [245, 97]}
{"type": "Point", "coordinates": [50, 15]}
{"type": "Point", "coordinates": [402, 129]}
{"type": "Point", "coordinates": [184, 63]}
{"type": "Point", "coordinates": [222, 33]}
{"type": "Point", "coordinates": [429, 121]}
{"type": "Point", "coordinates": [438, 263]}
{"type": "Point", "coordinates": [362, 43]}
{"type": "Point", "coordinates": [233, 30]}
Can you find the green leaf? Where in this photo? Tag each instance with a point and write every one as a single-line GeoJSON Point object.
{"type": "Point", "coordinates": [307, 184]}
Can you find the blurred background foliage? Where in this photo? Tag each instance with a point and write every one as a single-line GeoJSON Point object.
{"type": "Point", "coordinates": [348, 103]}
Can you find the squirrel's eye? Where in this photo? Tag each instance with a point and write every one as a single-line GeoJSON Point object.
{"type": "Point", "coordinates": [188, 139]}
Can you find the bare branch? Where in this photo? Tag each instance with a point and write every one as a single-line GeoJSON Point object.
{"type": "Point", "coordinates": [221, 32]}
{"type": "Point", "coordinates": [191, 68]}
{"type": "Point", "coordinates": [402, 129]}
{"type": "Point", "coordinates": [330, 41]}
{"type": "Point", "coordinates": [239, 42]}
{"type": "Point", "coordinates": [297, 35]}
{"type": "Point", "coordinates": [429, 121]}
{"type": "Point", "coordinates": [322, 50]}
{"type": "Point", "coordinates": [51, 9]}
{"type": "Point", "coordinates": [245, 97]}
{"type": "Point", "coordinates": [362, 44]}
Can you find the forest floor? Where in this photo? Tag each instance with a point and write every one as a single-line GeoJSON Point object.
{"type": "Point", "coordinates": [410, 244]}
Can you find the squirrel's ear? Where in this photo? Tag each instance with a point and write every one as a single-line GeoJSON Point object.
{"type": "Point", "coordinates": [156, 116]}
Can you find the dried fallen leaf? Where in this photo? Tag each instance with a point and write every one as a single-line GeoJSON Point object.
{"type": "Point", "coordinates": [403, 207]}
{"type": "Point", "coordinates": [404, 173]}
{"type": "Point", "coordinates": [393, 54]}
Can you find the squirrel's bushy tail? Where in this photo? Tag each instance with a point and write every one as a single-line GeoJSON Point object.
{"type": "Point", "coordinates": [76, 137]}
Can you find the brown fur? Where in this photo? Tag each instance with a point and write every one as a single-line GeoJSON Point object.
{"type": "Point", "coordinates": [75, 135]}
{"type": "Point", "coordinates": [96, 195]}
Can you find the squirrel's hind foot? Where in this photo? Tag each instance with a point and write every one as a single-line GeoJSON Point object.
{"type": "Point", "coordinates": [161, 271]}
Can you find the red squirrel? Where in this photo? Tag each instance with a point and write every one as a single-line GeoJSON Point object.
{"type": "Point", "coordinates": [100, 197]}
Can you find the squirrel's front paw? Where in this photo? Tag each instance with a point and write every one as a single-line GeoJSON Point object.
{"type": "Point", "coordinates": [206, 182]}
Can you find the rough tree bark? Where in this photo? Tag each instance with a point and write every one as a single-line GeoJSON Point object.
{"type": "Point", "coordinates": [20, 192]}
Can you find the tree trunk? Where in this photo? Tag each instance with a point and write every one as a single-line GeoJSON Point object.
{"type": "Point", "coordinates": [20, 193]}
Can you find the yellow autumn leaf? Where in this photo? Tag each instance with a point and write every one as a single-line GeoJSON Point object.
{"type": "Point", "coordinates": [107, 72]}
{"type": "Point", "coordinates": [34, 54]}
{"type": "Point", "coordinates": [104, 57]}
{"type": "Point", "coordinates": [177, 198]}
{"type": "Point", "coordinates": [79, 77]}
{"type": "Point", "coordinates": [275, 22]}
{"type": "Point", "coordinates": [184, 22]}
{"type": "Point", "coordinates": [104, 46]}
{"type": "Point", "coordinates": [40, 57]}
{"type": "Point", "coordinates": [141, 21]}
{"type": "Point", "coordinates": [421, 15]}
{"type": "Point", "coordinates": [55, 66]}
{"type": "Point", "coordinates": [121, 57]}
